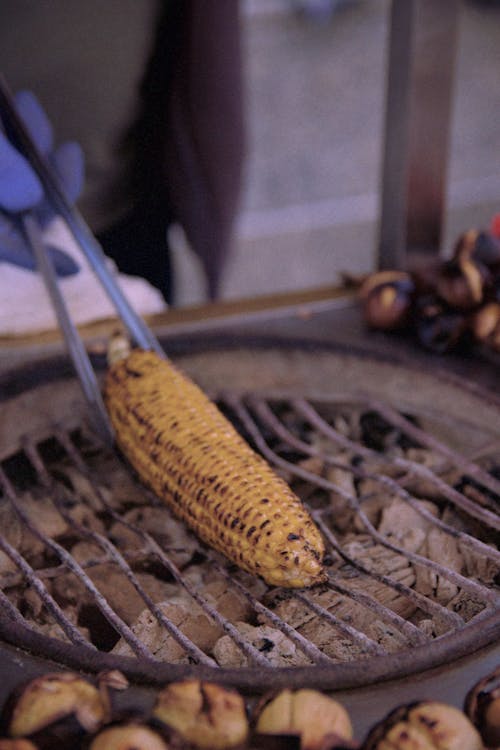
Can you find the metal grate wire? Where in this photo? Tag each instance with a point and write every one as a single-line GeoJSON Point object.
{"type": "Point", "coordinates": [283, 443]}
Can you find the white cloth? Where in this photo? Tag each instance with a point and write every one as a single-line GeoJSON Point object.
{"type": "Point", "coordinates": [25, 307]}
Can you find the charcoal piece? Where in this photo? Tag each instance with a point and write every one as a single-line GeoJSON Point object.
{"type": "Point", "coordinates": [379, 435]}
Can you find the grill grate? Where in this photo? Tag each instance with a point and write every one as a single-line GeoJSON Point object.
{"type": "Point", "coordinates": [66, 471]}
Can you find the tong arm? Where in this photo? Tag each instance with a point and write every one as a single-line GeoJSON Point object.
{"type": "Point", "coordinates": [77, 352]}
{"type": "Point", "coordinates": [17, 133]}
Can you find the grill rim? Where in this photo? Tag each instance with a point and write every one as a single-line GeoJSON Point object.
{"type": "Point", "coordinates": [55, 367]}
{"type": "Point", "coordinates": [345, 675]}
{"type": "Point", "coordinates": [443, 651]}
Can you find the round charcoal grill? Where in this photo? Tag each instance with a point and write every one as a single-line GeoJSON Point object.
{"type": "Point", "coordinates": [399, 467]}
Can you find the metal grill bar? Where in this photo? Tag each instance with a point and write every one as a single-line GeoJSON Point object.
{"type": "Point", "coordinates": [75, 568]}
{"type": "Point", "coordinates": [72, 633]}
{"type": "Point", "coordinates": [414, 635]}
{"type": "Point", "coordinates": [456, 497]}
{"type": "Point", "coordinates": [153, 547]}
{"type": "Point", "coordinates": [259, 416]}
{"type": "Point", "coordinates": [464, 583]}
{"type": "Point", "coordinates": [367, 644]}
{"type": "Point", "coordinates": [306, 646]}
{"type": "Point", "coordinates": [434, 609]}
{"type": "Point", "coordinates": [253, 654]}
{"type": "Point", "coordinates": [307, 410]}
{"type": "Point", "coordinates": [8, 609]}
{"type": "Point", "coordinates": [424, 438]}
{"type": "Point", "coordinates": [124, 567]}
{"type": "Point", "coordinates": [114, 555]}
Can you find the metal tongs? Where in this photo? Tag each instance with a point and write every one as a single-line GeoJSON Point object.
{"type": "Point", "coordinates": [138, 331]}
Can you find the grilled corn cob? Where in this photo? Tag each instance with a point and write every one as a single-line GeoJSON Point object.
{"type": "Point", "coordinates": [190, 455]}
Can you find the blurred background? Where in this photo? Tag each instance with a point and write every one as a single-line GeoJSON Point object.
{"type": "Point", "coordinates": [314, 76]}
{"type": "Point", "coordinates": [315, 87]}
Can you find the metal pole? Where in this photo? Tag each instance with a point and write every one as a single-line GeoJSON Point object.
{"type": "Point", "coordinates": [421, 63]}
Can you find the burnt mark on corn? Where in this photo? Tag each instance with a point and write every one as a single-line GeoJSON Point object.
{"type": "Point", "coordinates": [207, 482]}
{"type": "Point", "coordinates": [132, 372]}
{"type": "Point", "coordinates": [428, 722]}
{"type": "Point", "coordinates": [138, 416]}
{"type": "Point", "coordinates": [312, 551]}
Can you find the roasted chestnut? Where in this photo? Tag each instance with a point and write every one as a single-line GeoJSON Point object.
{"type": "Point", "coordinates": [482, 706]}
{"type": "Point", "coordinates": [426, 725]}
{"type": "Point", "coordinates": [19, 744]}
{"type": "Point", "coordinates": [386, 298]}
{"type": "Point", "coordinates": [486, 325]}
{"type": "Point", "coordinates": [293, 742]}
{"type": "Point", "coordinates": [479, 246]}
{"type": "Point", "coordinates": [203, 713]}
{"type": "Point", "coordinates": [439, 329]}
{"type": "Point", "coordinates": [129, 736]}
{"type": "Point", "coordinates": [109, 684]}
{"type": "Point", "coordinates": [461, 283]}
{"type": "Point", "coordinates": [319, 721]}
{"type": "Point", "coordinates": [494, 290]}
{"type": "Point", "coordinates": [55, 710]}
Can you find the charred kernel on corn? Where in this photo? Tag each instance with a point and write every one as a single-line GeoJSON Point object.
{"type": "Point", "coordinates": [192, 457]}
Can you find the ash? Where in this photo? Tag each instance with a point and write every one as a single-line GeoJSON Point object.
{"type": "Point", "coordinates": [87, 553]}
